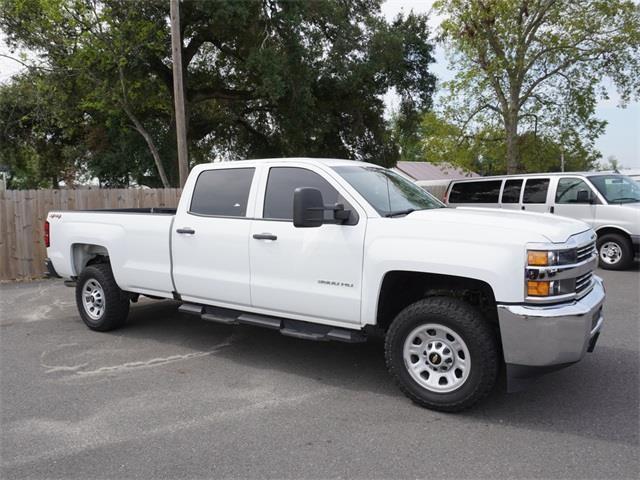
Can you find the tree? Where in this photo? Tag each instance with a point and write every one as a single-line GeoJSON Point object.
{"type": "Point", "coordinates": [522, 59]}
{"type": "Point", "coordinates": [484, 150]}
{"type": "Point", "coordinates": [37, 138]}
{"type": "Point", "coordinates": [273, 78]}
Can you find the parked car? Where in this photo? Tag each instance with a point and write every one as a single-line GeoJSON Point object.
{"type": "Point", "coordinates": [338, 250]}
{"type": "Point", "coordinates": [608, 202]}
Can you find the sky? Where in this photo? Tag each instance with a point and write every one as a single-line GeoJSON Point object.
{"type": "Point", "coordinates": [622, 135]}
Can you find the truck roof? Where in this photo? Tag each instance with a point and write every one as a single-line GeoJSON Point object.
{"type": "Point", "coordinates": [331, 162]}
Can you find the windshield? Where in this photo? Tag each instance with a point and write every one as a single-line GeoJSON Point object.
{"type": "Point", "coordinates": [386, 191]}
{"type": "Point", "coordinates": [617, 188]}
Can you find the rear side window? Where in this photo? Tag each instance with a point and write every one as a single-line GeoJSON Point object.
{"type": "Point", "coordinates": [535, 190]}
{"type": "Point", "coordinates": [222, 192]}
{"type": "Point", "coordinates": [475, 192]}
{"type": "Point", "coordinates": [282, 182]}
{"type": "Point", "coordinates": [511, 191]}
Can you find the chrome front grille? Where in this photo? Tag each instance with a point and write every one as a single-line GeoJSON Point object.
{"type": "Point", "coordinates": [586, 252]}
{"type": "Point", "coordinates": [583, 283]}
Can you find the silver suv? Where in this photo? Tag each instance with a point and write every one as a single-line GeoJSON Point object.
{"type": "Point", "coordinates": [608, 202]}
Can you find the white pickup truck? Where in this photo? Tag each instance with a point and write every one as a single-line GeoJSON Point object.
{"type": "Point", "coordinates": [340, 250]}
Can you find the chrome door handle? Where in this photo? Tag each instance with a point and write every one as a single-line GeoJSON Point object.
{"type": "Point", "coordinates": [265, 236]}
{"type": "Point", "coordinates": [187, 230]}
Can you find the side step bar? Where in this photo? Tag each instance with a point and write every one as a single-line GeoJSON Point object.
{"type": "Point", "coordinates": [290, 328]}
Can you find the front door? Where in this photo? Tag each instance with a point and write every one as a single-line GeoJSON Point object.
{"type": "Point", "coordinates": [567, 203]}
{"type": "Point", "coordinates": [210, 240]}
{"type": "Point", "coordinates": [305, 273]}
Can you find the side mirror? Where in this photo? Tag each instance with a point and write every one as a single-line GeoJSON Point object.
{"type": "Point", "coordinates": [308, 209]}
{"type": "Point", "coordinates": [583, 196]}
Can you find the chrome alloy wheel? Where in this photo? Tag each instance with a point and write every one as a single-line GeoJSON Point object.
{"type": "Point", "coordinates": [93, 299]}
{"type": "Point", "coordinates": [610, 253]}
{"type": "Point", "coordinates": [437, 358]}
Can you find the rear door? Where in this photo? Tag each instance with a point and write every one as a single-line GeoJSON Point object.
{"type": "Point", "coordinates": [566, 201]}
{"type": "Point", "coordinates": [511, 194]}
{"type": "Point", "coordinates": [210, 239]}
{"type": "Point", "coordinates": [535, 197]}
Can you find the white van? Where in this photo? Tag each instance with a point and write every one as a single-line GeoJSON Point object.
{"type": "Point", "coordinates": [608, 202]}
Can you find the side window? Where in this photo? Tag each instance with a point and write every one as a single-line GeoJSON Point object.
{"type": "Point", "coordinates": [222, 192]}
{"type": "Point", "coordinates": [535, 190]}
{"type": "Point", "coordinates": [568, 189]}
{"type": "Point", "coordinates": [511, 191]}
{"type": "Point", "coordinates": [486, 191]}
{"type": "Point", "coordinates": [282, 182]}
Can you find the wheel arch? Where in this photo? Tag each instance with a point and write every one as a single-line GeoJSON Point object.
{"type": "Point", "coordinates": [612, 229]}
{"type": "Point", "coordinates": [83, 254]}
{"type": "Point", "coordinates": [400, 288]}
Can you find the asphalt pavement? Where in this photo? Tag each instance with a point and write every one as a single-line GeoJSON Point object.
{"type": "Point", "coordinates": [172, 396]}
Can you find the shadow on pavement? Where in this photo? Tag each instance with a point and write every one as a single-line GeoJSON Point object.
{"type": "Point", "coordinates": [579, 400]}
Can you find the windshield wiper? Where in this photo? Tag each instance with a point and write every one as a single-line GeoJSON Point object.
{"type": "Point", "coordinates": [397, 213]}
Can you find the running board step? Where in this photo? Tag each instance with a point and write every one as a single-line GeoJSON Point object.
{"type": "Point", "coordinates": [290, 328]}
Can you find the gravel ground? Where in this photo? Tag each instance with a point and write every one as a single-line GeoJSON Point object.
{"type": "Point", "coordinates": [173, 396]}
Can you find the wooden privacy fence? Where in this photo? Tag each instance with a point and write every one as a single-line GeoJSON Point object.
{"type": "Point", "coordinates": [23, 213]}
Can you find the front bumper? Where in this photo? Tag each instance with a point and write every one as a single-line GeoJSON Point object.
{"type": "Point", "coordinates": [542, 338]}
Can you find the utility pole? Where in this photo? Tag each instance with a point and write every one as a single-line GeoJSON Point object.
{"type": "Point", "coordinates": [178, 91]}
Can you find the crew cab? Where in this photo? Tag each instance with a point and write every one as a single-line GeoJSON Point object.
{"type": "Point", "coordinates": [342, 250]}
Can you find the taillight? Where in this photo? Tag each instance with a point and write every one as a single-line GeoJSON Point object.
{"type": "Point", "coordinates": [46, 234]}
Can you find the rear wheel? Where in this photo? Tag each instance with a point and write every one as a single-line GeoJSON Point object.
{"type": "Point", "coordinates": [615, 252]}
{"type": "Point", "coordinates": [101, 303]}
{"type": "Point", "coordinates": [442, 353]}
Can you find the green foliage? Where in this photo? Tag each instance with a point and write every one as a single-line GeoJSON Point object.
{"type": "Point", "coordinates": [520, 60]}
{"type": "Point", "coordinates": [275, 78]}
{"type": "Point", "coordinates": [485, 151]}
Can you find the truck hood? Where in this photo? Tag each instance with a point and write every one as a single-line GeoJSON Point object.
{"type": "Point", "coordinates": [555, 229]}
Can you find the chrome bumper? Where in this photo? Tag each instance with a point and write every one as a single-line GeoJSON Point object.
{"type": "Point", "coordinates": [551, 336]}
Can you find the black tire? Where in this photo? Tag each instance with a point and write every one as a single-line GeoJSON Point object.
{"type": "Point", "coordinates": [115, 304]}
{"type": "Point", "coordinates": [471, 327]}
{"type": "Point", "coordinates": [623, 246]}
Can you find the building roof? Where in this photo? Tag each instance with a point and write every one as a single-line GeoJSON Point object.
{"type": "Point", "coordinates": [431, 171]}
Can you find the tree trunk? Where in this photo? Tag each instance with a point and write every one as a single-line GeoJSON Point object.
{"type": "Point", "coordinates": [143, 131]}
{"type": "Point", "coordinates": [152, 148]}
{"type": "Point", "coordinates": [513, 154]}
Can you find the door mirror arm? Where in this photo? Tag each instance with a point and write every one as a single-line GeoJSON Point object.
{"type": "Point", "coordinates": [339, 212]}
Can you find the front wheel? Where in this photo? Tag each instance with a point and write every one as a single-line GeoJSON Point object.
{"type": "Point", "coordinates": [442, 353]}
{"type": "Point", "coordinates": [615, 252]}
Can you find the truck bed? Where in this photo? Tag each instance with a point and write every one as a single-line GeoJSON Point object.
{"type": "Point", "coordinates": [151, 211]}
{"type": "Point", "coordinates": [136, 239]}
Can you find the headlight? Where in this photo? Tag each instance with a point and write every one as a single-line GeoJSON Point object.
{"type": "Point", "coordinates": [539, 280]}
{"type": "Point", "coordinates": [547, 258]}
{"type": "Point", "coordinates": [539, 258]}
{"type": "Point", "coordinates": [536, 288]}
